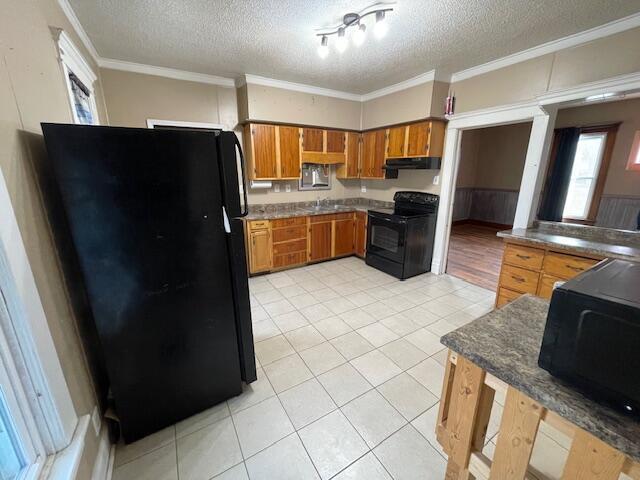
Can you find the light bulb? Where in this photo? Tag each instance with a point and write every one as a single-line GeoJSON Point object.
{"type": "Point", "coordinates": [323, 49]}
{"type": "Point", "coordinates": [359, 35]}
{"type": "Point", "coordinates": [381, 27]}
{"type": "Point", "coordinates": [341, 41]}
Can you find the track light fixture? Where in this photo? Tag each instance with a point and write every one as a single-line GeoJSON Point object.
{"type": "Point", "coordinates": [359, 29]}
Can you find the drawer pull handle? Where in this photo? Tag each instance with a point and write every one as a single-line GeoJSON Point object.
{"type": "Point", "coordinates": [523, 257]}
{"type": "Point", "coordinates": [517, 278]}
{"type": "Point", "coordinates": [575, 269]}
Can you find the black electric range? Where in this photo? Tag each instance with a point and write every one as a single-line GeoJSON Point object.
{"type": "Point", "coordinates": [400, 240]}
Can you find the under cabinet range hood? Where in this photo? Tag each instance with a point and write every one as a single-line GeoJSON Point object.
{"type": "Point", "coordinates": [411, 163]}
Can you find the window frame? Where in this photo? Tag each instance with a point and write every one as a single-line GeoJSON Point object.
{"type": "Point", "coordinates": [72, 61]}
{"type": "Point", "coordinates": [601, 177]}
{"type": "Point", "coordinates": [633, 164]}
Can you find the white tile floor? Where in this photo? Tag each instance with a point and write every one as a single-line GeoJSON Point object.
{"type": "Point", "coordinates": [350, 372]}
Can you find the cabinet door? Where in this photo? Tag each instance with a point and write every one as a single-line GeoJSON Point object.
{"type": "Point", "coordinates": [361, 234]}
{"type": "Point", "coordinates": [343, 238]}
{"type": "Point", "coordinates": [368, 153]}
{"type": "Point", "coordinates": [263, 147]}
{"type": "Point", "coordinates": [260, 251]}
{"type": "Point", "coordinates": [289, 152]}
{"type": "Point", "coordinates": [320, 241]}
{"type": "Point", "coordinates": [418, 141]}
{"type": "Point", "coordinates": [378, 158]}
{"type": "Point", "coordinates": [353, 155]}
{"type": "Point", "coordinates": [395, 141]}
{"type": "Point", "coordinates": [312, 140]}
{"type": "Point", "coordinates": [335, 141]}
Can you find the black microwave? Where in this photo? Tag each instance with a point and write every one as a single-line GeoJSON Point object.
{"type": "Point", "coordinates": [592, 335]}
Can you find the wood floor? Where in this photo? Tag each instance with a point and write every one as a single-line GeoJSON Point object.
{"type": "Point", "coordinates": [475, 254]}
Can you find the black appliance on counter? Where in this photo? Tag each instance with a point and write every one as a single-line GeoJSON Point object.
{"type": "Point", "coordinates": [592, 335]}
{"type": "Point", "coordinates": [400, 240]}
{"type": "Point", "coordinates": [153, 221]}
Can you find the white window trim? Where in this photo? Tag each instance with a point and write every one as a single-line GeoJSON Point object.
{"type": "Point", "coordinates": [41, 377]}
{"type": "Point", "coordinates": [71, 60]}
{"type": "Point", "coordinates": [153, 122]}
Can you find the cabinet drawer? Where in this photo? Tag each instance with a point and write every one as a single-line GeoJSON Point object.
{"type": "Point", "coordinates": [519, 279]}
{"type": "Point", "coordinates": [566, 266]}
{"type": "Point", "coordinates": [287, 222]}
{"type": "Point", "coordinates": [320, 218]}
{"type": "Point", "coordinates": [289, 259]}
{"type": "Point", "coordinates": [290, 233]}
{"type": "Point", "coordinates": [290, 247]}
{"type": "Point", "coordinates": [505, 296]}
{"type": "Point", "coordinates": [545, 287]}
{"type": "Point", "coordinates": [526, 257]}
{"type": "Point", "coordinates": [343, 216]}
{"type": "Point", "coordinates": [258, 224]}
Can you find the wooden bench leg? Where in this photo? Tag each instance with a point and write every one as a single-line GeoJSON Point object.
{"type": "Point", "coordinates": [466, 394]}
{"type": "Point", "coordinates": [592, 459]}
{"type": "Point", "coordinates": [518, 429]}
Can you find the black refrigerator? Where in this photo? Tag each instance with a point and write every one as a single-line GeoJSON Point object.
{"type": "Point", "coordinates": [153, 222]}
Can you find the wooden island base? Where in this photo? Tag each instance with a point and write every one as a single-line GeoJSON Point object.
{"type": "Point", "coordinates": [465, 407]}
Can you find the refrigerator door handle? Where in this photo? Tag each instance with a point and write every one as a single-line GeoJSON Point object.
{"type": "Point", "coordinates": [244, 182]}
{"type": "Point", "coordinates": [225, 220]}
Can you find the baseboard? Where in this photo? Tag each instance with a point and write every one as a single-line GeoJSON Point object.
{"type": "Point", "coordinates": [482, 223]}
{"type": "Point", "coordinates": [103, 466]}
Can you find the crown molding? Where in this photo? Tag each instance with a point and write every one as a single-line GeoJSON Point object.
{"type": "Point", "coordinates": [112, 64]}
{"type": "Point", "coordinates": [411, 82]}
{"type": "Point", "coordinates": [300, 87]}
{"type": "Point", "coordinates": [67, 9]}
{"type": "Point", "coordinates": [611, 28]}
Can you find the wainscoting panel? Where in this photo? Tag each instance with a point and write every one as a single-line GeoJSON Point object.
{"type": "Point", "coordinates": [462, 204]}
{"type": "Point", "coordinates": [488, 205]}
{"type": "Point", "coordinates": [618, 212]}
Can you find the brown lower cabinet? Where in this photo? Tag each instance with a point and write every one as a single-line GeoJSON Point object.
{"type": "Point", "coordinates": [260, 246]}
{"type": "Point", "coordinates": [361, 234]}
{"type": "Point", "coordinates": [288, 242]}
{"type": "Point", "coordinates": [534, 270]}
{"type": "Point", "coordinates": [320, 240]}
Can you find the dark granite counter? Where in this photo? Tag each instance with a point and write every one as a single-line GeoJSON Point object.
{"type": "Point", "coordinates": [302, 209]}
{"type": "Point", "coordinates": [506, 343]}
{"type": "Point", "coordinates": [604, 242]}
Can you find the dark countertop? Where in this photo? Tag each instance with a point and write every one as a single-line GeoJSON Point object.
{"type": "Point", "coordinates": [506, 343]}
{"type": "Point", "coordinates": [603, 242]}
{"type": "Point", "coordinates": [303, 209]}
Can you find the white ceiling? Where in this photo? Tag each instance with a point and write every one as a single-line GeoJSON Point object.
{"type": "Point", "coordinates": [276, 38]}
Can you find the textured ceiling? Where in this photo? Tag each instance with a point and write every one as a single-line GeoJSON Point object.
{"type": "Point", "coordinates": [276, 38]}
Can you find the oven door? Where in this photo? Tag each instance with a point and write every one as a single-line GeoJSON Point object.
{"type": "Point", "coordinates": [386, 237]}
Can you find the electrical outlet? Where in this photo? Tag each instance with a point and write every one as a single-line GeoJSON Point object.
{"type": "Point", "coordinates": [436, 180]}
{"type": "Point", "coordinates": [287, 188]}
{"type": "Point", "coordinates": [276, 188]}
{"type": "Point", "coordinates": [363, 188]}
{"type": "Point", "coordinates": [95, 419]}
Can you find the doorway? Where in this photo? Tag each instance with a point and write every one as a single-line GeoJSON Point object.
{"type": "Point", "coordinates": [486, 195]}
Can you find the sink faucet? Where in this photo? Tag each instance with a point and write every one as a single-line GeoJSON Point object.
{"type": "Point", "coordinates": [322, 201]}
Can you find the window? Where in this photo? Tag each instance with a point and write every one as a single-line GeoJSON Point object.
{"type": "Point", "coordinates": [634, 156]}
{"type": "Point", "coordinates": [79, 79]}
{"type": "Point", "coordinates": [584, 175]}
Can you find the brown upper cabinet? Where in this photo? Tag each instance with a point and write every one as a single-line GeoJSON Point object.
{"type": "Point", "coordinates": [273, 151]}
{"type": "Point", "coordinates": [352, 163]}
{"type": "Point", "coordinates": [396, 140]}
{"type": "Point", "coordinates": [289, 152]}
{"type": "Point", "coordinates": [336, 141]}
{"type": "Point", "coordinates": [312, 140]}
{"type": "Point", "coordinates": [373, 154]}
{"type": "Point", "coordinates": [323, 146]}
{"type": "Point", "coordinates": [421, 139]}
